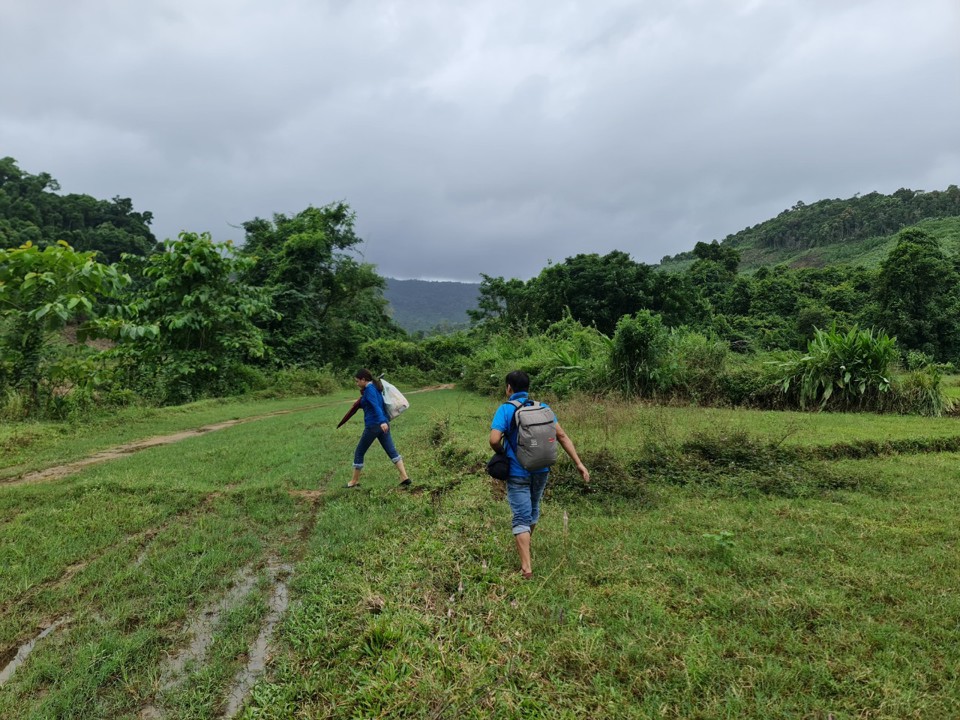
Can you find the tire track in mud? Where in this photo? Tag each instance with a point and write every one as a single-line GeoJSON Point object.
{"type": "Point", "coordinates": [15, 657]}
{"type": "Point", "coordinates": [204, 625]}
{"type": "Point", "coordinates": [59, 472]}
{"type": "Point", "coordinates": [143, 539]}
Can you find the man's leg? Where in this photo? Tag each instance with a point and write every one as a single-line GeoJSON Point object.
{"type": "Point", "coordinates": [523, 550]}
{"type": "Point", "coordinates": [518, 495]}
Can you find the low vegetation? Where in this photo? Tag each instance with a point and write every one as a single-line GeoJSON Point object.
{"type": "Point", "coordinates": [726, 563]}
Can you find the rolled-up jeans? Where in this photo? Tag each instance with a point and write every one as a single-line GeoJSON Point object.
{"type": "Point", "coordinates": [524, 494]}
{"type": "Point", "coordinates": [370, 434]}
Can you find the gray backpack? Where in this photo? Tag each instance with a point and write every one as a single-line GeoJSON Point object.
{"type": "Point", "coordinates": [536, 448]}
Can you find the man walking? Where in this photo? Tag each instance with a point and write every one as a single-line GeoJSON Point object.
{"type": "Point", "coordinates": [525, 488]}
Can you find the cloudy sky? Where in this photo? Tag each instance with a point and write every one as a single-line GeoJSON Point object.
{"type": "Point", "coordinates": [483, 137]}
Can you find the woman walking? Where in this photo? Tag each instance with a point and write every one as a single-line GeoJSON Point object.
{"type": "Point", "coordinates": [376, 426]}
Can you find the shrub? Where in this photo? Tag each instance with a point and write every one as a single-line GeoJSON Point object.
{"type": "Point", "coordinates": [386, 355]}
{"type": "Point", "coordinates": [695, 366]}
{"type": "Point", "coordinates": [444, 355]}
{"type": "Point", "coordinates": [640, 343]}
{"type": "Point", "coordinates": [920, 392]}
{"type": "Point", "coordinates": [842, 370]}
{"type": "Point", "coordinates": [300, 381]}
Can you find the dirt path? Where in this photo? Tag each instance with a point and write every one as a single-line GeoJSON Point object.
{"type": "Point", "coordinates": [58, 472]}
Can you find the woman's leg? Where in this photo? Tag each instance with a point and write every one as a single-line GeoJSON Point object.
{"type": "Point", "coordinates": [366, 440]}
{"type": "Point", "coordinates": [386, 440]}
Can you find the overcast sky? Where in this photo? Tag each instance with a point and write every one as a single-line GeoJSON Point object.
{"type": "Point", "coordinates": [483, 137]}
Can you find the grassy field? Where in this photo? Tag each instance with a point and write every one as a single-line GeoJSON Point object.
{"type": "Point", "coordinates": [721, 569]}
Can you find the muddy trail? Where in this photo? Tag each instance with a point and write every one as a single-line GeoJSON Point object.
{"type": "Point", "coordinates": [57, 472]}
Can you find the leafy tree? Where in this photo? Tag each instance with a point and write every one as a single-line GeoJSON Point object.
{"type": "Point", "coordinates": [594, 290]}
{"type": "Point", "coordinates": [40, 291]}
{"type": "Point", "coordinates": [918, 296]}
{"type": "Point", "coordinates": [501, 303]}
{"type": "Point", "coordinates": [203, 316]}
{"type": "Point", "coordinates": [32, 211]}
{"type": "Point", "coordinates": [329, 302]}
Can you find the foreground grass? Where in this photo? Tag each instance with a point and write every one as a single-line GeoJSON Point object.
{"type": "Point", "coordinates": [700, 599]}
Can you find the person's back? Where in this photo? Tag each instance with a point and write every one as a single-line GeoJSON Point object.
{"type": "Point", "coordinates": [527, 481]}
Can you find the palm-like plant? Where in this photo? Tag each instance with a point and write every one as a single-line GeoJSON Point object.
{"type": "Point", "coordinates": [845, 370]}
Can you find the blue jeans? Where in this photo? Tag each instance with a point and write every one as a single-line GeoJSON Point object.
{"type": "Point", "coordinates": [366, 440]}
{"type": "Point", "coordinates": [524, 495]}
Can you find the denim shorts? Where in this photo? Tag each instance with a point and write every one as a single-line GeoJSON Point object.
{"type": "Point", "coordinates": [366, 440]}
{"type": "Point", "coordinates": [524, 495]}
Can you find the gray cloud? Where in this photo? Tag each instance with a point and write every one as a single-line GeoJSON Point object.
{"type": "Point", "coordinates": [484, 137]}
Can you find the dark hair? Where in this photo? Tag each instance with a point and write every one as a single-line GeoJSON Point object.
{"type": "Point", "coordinates": [518, 380]}
{"type": "Point", "coordinates": [364, 374]}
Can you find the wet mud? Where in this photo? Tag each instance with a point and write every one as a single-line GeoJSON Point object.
{"type": "Point", "coordinates": [23, 652]}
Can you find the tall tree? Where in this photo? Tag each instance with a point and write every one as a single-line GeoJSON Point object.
{"type": "Point", "coordinates": [918, 296]}
{"type": "Point", "coordinates": [201, 315]}
{"type": "Point", "coordinates": [329, 301]}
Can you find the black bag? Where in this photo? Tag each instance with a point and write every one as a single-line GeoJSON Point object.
{"type": "Point", "coordinates": [499, 466]}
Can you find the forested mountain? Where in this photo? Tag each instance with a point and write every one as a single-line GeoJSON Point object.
{"type": "Point", "coordinates": [858, 230]}
{"type": "Point", "coordinates": [425, 305]}
{"type": "Point", "coordinates": [32, 211]}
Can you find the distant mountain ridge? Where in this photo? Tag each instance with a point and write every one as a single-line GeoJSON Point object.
{"type": "Point", "coordinates": [427, 305]}
{"type": "Point", "coordinates": [857, 230]}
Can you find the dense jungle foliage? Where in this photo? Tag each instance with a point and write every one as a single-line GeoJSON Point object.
{"type": "Point", "coordinates": [295, 307]}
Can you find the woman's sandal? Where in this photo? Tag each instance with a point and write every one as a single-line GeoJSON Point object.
{"type": "Point", "coordinates": [405, 482]}
{"type": "Point", "coordinates": [526, 575]}
{"type": "Point", "coordinates": [352, 485]}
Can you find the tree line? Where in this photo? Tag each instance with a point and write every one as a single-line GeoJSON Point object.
{"type": "Point", "coordinates": [190, 318]}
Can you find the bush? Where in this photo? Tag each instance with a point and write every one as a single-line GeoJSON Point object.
{"type": "Point", "coordinates": [640, 344]}
{"type": "Point", "coordinates": [298, 381]}
{"type": "Point", "coordinates": [695, 366]}
{"type": "Point", "coordinates": [386, 355]}
{"type": "Point", "coordinates": [842, 370]}
{"type": "Point", "coordinates": [754, 381]}
{"type": "Point", "coordinates": [920, 392]}
{"type": "Point", "coordinates": [444, 356]}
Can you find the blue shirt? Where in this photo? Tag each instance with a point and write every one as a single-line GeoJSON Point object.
{"type": "Point", "coordinates": [371, 400]}
{"type": "Point", "coordinates": [502, 421]}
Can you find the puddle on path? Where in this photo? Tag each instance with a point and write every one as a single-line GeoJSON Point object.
{"type": "Point", "coordinates": [258, 653]}
{"type": "Point", "coordinates": [24, 651]}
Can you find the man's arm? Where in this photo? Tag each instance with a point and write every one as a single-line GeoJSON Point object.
{"type": "Point", "coordinates": [496, 441]}
{"type": "Point", "coordinates": [567, 444]}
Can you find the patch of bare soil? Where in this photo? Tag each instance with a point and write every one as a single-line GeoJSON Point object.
{"type": "Point", "coordinates": [446, 386]}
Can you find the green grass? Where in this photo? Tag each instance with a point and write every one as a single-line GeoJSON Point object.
{"type": "Point", "coordinates": [710, 595]}
{"type": "Point", "coordinates": [28, 446]}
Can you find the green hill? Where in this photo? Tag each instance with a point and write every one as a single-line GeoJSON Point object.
{"type": "Point", "coordinates": [426, 305]}
{"type": "Point", "coordinates": [856, 231]}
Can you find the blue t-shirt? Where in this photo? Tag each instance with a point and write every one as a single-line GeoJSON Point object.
{"type": "Point", "coordinates": [502, 421]}
{"type": "Point", "coordinates": [371, 400]}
